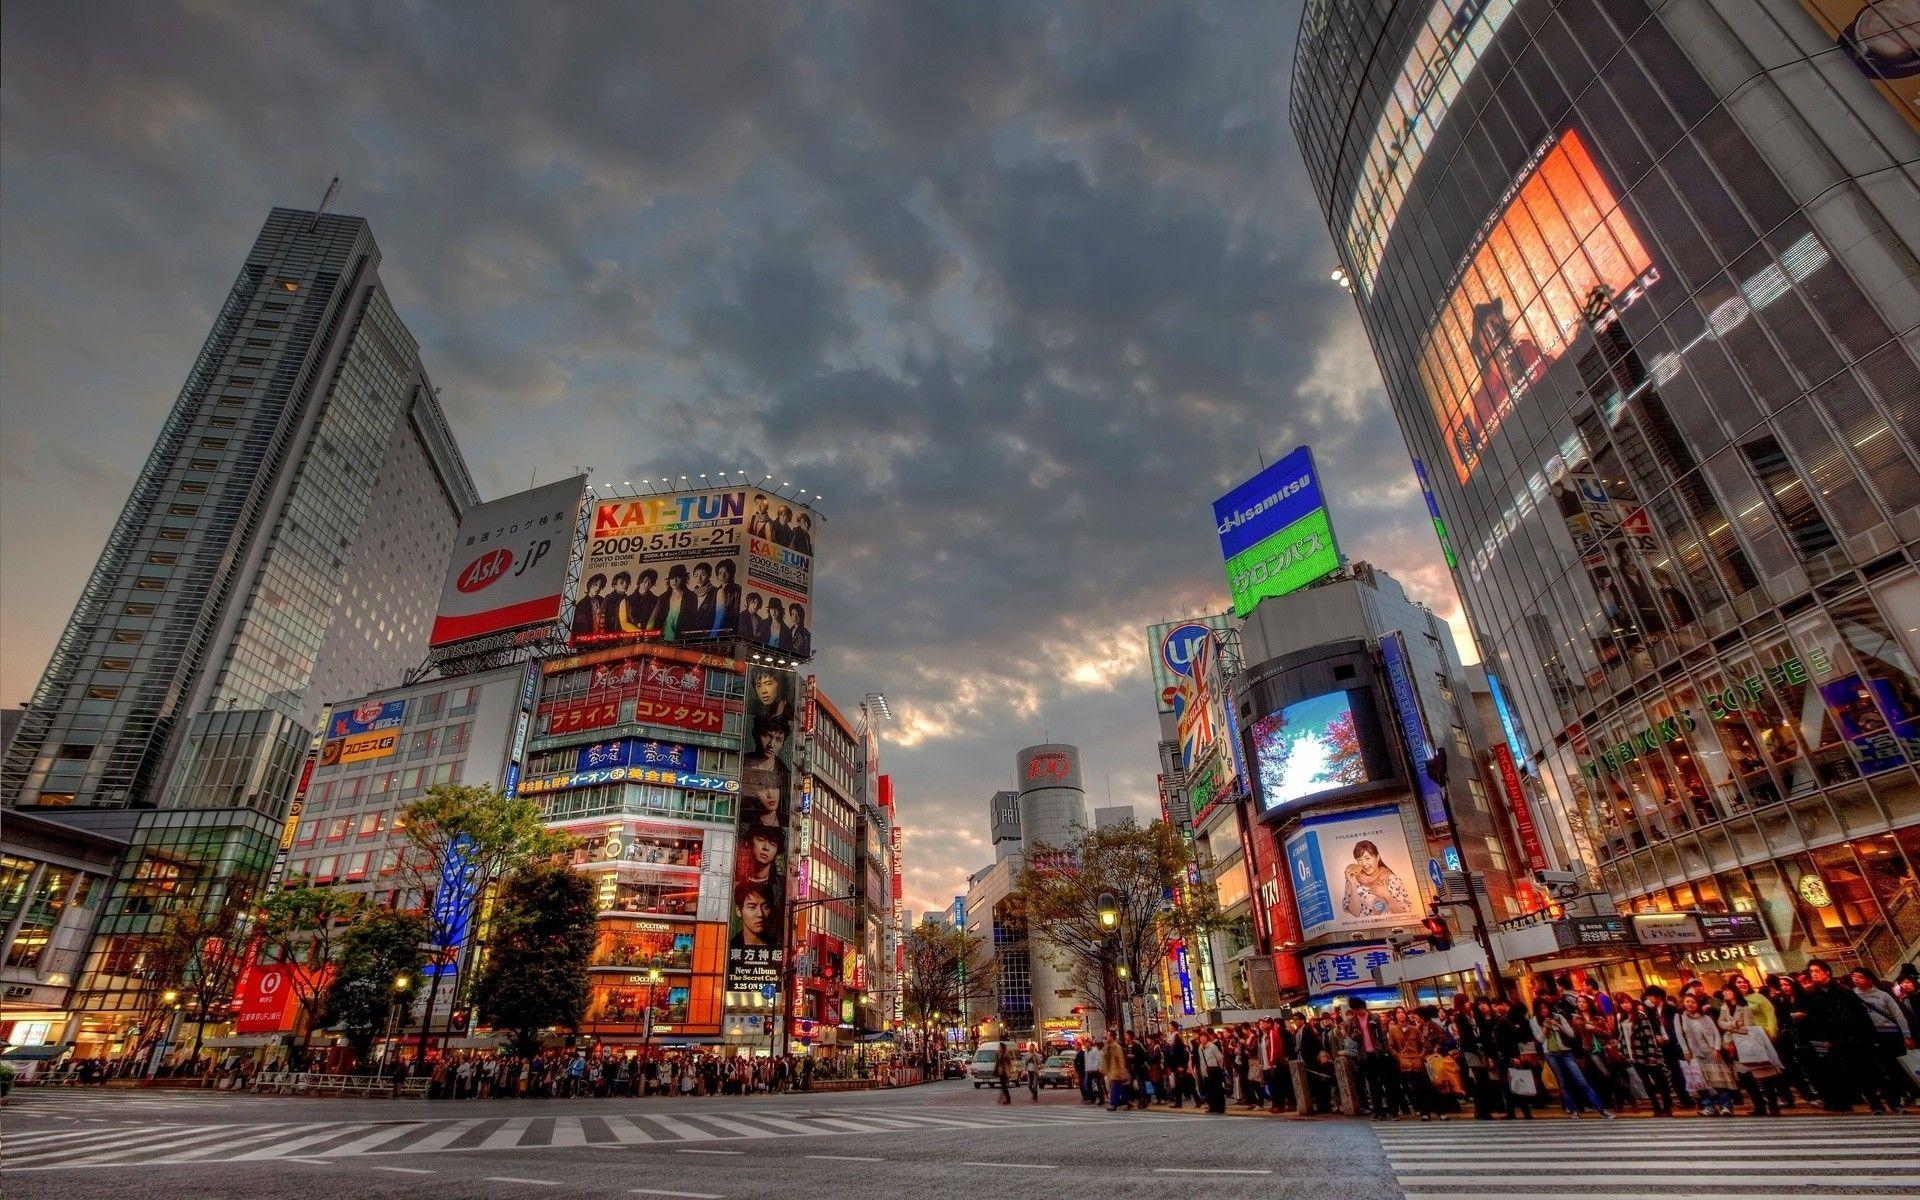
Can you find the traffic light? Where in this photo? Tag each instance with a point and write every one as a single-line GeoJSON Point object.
{"type": "Point", "coordinates": [1438, 935]}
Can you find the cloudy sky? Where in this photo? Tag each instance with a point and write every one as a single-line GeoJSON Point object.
{"type": "Point", "coordinates": [1018, 288]}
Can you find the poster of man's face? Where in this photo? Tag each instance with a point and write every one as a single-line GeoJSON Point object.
{"type": "Point", "coordinates": [757, 921]}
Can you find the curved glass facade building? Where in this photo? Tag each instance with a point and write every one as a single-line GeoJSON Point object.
{"type": "Point", "coordinates": [1641, 278]}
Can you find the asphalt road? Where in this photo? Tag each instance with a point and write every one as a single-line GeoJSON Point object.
{"type": "Point", "coordinates": [942, 1140]}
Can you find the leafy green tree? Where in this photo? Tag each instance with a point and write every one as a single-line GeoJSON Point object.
{"type": "Point", "coordinates": [1113, 952]}
{"type": "Point", "coordinates": [304, 927]}
{"type": "Point", "coordinates": [538, 951]}
{"type": "Point", "coordinates": [381, 946]}
{"type": "Point", "coordinates": [461, 840]}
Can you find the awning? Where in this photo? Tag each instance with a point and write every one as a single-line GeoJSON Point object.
{"type": "Point", "coordinates": [35, 1053]}
{"type": "Point", "coordinates": [242, 1041]}
{"type": "Point", "coordinates": [490, 1042]}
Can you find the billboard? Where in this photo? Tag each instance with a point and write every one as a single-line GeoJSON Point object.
{"type": "Point", "coordinates": [1881, 39]}
{"type": "Point", "coordinates": [1307, 749]}
{"type": "Point", "coordinates": [1375, 888]}
{"type": "Point", "coordinates": [266, 998]}
{"type": "Point", "coordinates": [1274, 532]}
{"type": "Point", "coordinates": [756, 930]}
{"type": "Point", "coordinates": [1521, 300]}
{"type": "Point", "coordinates": [1413, 729]}
{"type": "Point", "coordinates": [365, 731]}
{"type": "Point", "coordinates": [698, 566]}
{"type": "Point", "coordinates": [509, 565]}
{"type": "Point", "coordinates": [1170, 647]}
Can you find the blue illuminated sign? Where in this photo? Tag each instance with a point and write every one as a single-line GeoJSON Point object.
{"type": "Point", "coordinates": [637, 752]}
{"type": "Point", "coordinates": [1269, 502]}
{"type": "Point", "coordinates": [1516, 737]}
{"type": "Point", "coordinates": [1406, 702]}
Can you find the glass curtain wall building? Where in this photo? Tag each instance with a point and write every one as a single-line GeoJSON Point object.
{"type": "Point", "coordinates": [1641, 278]}
{"type": "Point", "coordinates": [252, 575]}
{"type": "Point", "coordinates": [268, 560]}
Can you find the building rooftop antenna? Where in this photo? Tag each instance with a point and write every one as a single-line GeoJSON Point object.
{"type": "Point", "coordinates": [326, 202]}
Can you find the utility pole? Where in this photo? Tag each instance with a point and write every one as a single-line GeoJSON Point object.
{"type": "Point", "coordinates": [1436, 768]}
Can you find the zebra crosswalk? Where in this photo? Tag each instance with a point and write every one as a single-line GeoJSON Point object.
{"type": "Point", "coordinates": [150, 1145]}
{"type": "Point", "coordinates": [1657, 1159]}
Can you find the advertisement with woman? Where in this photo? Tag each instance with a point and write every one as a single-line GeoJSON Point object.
{"type": "Point", "coordinates": [756, 929]}
{"type": "Point", "coordinates": [1352, 872]}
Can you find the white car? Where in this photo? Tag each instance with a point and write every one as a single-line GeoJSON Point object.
{"type": "Point", "coordinates": [983, 1070]}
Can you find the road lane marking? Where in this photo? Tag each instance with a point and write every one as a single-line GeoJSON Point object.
{"type": "Point", "coordinates": [844, 1158]}
{"type": "Point", "coordinates": [709, 1151]}
{"type": "Point", "coordinates": [687, 1195]}
{"type": "Point", "coordinates": [1014, 1166]}
{"type": "Point", "coordinates": [528, 1182]}
{"type": "Point", "coordinates": [406, 1170]}
{"type": "Point", "coordinates": [1209, 1171]}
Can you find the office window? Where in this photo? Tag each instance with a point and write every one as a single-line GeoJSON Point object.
{"type": "Point", "coordinates": [103, 693]}
{"type": "Point", "coordinates": [116, 664]}
{"type": "Point", "coordinates": [127, 637]}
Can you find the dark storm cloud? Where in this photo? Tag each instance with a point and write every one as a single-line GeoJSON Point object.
{"type": "Point", "coordinates": [1020, 288]}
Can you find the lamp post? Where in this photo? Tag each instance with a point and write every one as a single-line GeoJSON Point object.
{"type": "Point", "coordinates": [1109, 911]}
{"type": "Point", "coordinates": [646, 1035]}
{"type": "Point", "coordinates": [401, 983]}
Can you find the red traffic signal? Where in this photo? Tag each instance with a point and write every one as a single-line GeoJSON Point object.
{"type": "Point", "coordinates": [1438, 935]}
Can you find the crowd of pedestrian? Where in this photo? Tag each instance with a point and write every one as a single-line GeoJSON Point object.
{"type": "Point", "coordinates": [1811, 1037]}
{"type": "Point", "coordinates": [569, 1074]}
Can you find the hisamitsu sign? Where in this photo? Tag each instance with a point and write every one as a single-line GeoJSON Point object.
{"type": "Point", "coordinates": [1274, 532]}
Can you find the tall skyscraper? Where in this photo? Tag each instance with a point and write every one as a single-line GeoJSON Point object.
{"type": "Point", "coordinates": [269, 558]}
{"type": "Point", "coordinates": [1642, 283]}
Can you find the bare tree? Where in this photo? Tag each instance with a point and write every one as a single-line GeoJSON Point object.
{"type": "Point", "coordinates": [1107, 909]}
{"type": "Point", "coordinates": [947, 971]}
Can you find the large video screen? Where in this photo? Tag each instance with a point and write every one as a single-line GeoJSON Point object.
{"type": "Point", "coordinates": [1561, 239]}
{"type": "Point", "coordinates": [1308, 748]}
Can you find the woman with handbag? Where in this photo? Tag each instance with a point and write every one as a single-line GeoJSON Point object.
{"type": "Point", "coordinates": [1703, 1063]}
{"type": "Point", "coordinates": [1476, 1054]}
{"type": "Point", "coordinates": [1520, 1060]}
{"type": "Point", "coordinates": [1641, 1040]}
{"type": "Point", "coordinates": [1556, 1034]}
{"type": "Point", "coordinates": [1754, 1058]}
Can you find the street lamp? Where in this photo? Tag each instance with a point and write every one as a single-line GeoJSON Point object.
{"type": "Point", "coordinates": [1109, 910]}
{"type": "Point", "coordinates": [401, 982]}
{"type": "Point", "coordinates": [646, 1036]}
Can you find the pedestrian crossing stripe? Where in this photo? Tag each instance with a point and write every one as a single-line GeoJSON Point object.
{"type": "Point", "coordinates": [147, 1145]}
{"type": "Point", "coordinates": [1813, 1156]}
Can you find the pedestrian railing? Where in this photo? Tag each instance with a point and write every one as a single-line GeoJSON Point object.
{"type": "Point", "coordinates": [314, 1083]}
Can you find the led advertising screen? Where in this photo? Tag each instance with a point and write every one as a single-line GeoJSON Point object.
{"type": "Point", "coordinates": [1353, 873]}
{"type": "Point", "coordinates": [509, 565]}
{"type": "Point", "coordinates": [698, 566]}
{"type": "Point", "coordinates": [1307, 749]}
{"type": "Point", "coordinates": [1882, 37]}
{"type": "Point", "coordinates": [1274, 532]}
{"type": "Point", "coordinates": [1519, 302]}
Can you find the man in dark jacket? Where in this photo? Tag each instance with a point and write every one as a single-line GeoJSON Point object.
{"type": "Point", "coordinates": [1833, 1024]}
{"type": "Point", "coordinates": [1175, 1062]}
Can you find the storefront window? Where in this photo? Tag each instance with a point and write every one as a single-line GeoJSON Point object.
{"type": "Point", "coordinates": [644, 944]}
{"type": "Point", "coordinates": [1889, 871]}
{"type": "Point", "coordinates": [670, 899]}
